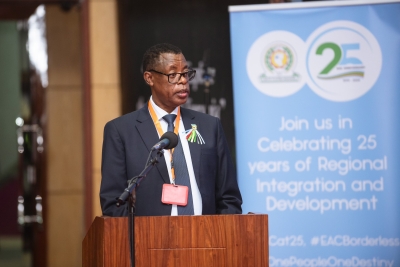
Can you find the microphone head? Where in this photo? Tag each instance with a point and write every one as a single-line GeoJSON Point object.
{"type": "Point", "coordinates": [172, 138]}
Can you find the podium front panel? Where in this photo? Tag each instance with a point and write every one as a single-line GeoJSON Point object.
{"type": "Point", "coordinates": [179, 241]}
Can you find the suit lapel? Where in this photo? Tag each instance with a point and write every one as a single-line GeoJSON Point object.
{"type": "Point", "coordinates": [149, 135]}
{"type": "Point", "coordinates": [195, 149]}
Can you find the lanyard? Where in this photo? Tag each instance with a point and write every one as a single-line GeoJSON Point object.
{"type": "Point", "coordinates": [161, 132]}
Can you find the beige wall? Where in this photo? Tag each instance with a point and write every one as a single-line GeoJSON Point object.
{"type": "Point", "coordinates": [65, 139]}
{"type": "Point", "coordinates": [105, 80]}
{"type": "Point", "coordinates": [65, 169]}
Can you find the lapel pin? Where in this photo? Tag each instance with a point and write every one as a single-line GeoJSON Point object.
{"type": "Point", "coordinates": [194, 136]}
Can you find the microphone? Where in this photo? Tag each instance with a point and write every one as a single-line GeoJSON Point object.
{"type": "Point", "coordinates": [167, 141]}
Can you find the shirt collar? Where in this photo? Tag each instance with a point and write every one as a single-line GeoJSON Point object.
{"type": "Point", "coordinates": [159, 111]}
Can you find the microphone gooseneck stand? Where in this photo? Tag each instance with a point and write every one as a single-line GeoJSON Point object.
{"type": "Point", "coordinates": [130, 195]}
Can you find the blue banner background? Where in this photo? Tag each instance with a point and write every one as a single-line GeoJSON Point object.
{"type": "Point", "coordinates": [305, 234]}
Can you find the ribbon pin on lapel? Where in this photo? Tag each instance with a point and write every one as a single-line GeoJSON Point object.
{"type": "Point", "coordinates": [194, 136]}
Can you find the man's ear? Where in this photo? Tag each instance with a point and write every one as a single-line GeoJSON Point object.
{"type": "Point", "coordinates": [148, 78]}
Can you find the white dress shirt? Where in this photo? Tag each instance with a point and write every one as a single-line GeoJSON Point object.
{"type": "Point", "coordinates": [197, 202]}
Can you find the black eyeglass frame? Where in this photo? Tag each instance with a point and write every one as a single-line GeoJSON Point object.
{"type": "Point", "coordinates": [175, 73]}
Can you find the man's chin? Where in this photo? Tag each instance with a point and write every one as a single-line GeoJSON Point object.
{"type": "Point", "coordinates": [180, 100]}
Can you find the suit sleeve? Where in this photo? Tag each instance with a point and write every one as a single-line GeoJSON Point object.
{"type": "Point", "coordinates": [228, 197]}
{"type": "Point", "coordinates": [113, 170]}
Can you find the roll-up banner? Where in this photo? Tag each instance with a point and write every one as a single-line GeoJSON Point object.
{"type": "Point", "coordinates": [317, 106]}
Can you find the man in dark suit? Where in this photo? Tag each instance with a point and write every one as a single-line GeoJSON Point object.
{"type": "Point", "coordinates": [207, 168]}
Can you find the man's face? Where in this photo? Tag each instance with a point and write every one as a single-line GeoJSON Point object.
{"type": "Point", "coordinates": [166, 95]}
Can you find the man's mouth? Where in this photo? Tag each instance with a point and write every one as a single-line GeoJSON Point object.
{"type": "Point", "coordinates": [183, 93]}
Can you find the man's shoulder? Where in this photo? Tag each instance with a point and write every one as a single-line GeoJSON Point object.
{"type": "Point", "coordinates": [129, 118]}
{"type": "Point", "coordinates": [198, 115]}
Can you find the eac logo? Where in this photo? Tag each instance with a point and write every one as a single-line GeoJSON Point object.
{"type": "Point", "coordinates": [340, 61]}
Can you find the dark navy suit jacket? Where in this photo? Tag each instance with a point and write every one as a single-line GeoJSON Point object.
{"type": "Point", "coordinates": [126, 146]}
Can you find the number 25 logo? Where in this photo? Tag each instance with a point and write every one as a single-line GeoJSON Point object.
{"type": "Point", "coordinates": [345, 65]}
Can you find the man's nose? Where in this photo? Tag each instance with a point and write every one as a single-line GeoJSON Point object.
{"type": "Point", "coordinates": [183, 79]}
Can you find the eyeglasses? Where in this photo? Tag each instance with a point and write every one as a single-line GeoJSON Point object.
{"type": "Point", "coordinates": [174, 78]}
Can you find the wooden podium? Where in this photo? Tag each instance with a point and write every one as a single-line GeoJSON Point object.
{"type": "Point", "coordinates": [179, 241]}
